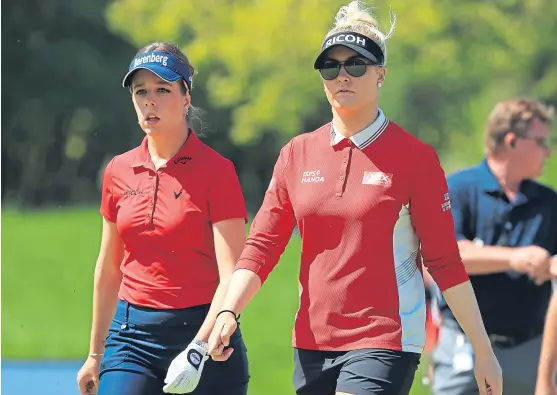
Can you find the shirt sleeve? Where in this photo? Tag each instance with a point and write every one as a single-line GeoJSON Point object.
{"type": "Point", "coordinates": [108, 205]}
{"type": "Point", "coordinates": [226, 199]}
{"type": "Point", "coordinates": [273, 225]}
{"type": "Point", "coordinates": [430, 209]}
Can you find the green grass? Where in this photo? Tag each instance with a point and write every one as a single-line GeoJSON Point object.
{"type": "Point", "coordinates": [47, 271]}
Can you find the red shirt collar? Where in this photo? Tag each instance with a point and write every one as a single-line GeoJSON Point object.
{"type": "Point", "coordinates": [186, 153]}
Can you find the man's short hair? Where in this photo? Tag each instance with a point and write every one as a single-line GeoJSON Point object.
{"type": "Point", "coordinates": [513, 116]}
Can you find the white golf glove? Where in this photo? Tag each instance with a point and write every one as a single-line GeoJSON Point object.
{"type": "Point", "coordinates": [185, 370]}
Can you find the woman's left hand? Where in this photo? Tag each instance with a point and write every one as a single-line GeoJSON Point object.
{"type": "Point", "coordinates": [185, 370]}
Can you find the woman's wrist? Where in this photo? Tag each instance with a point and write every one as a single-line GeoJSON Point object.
{"type": "Point", "coordinates": [480, 343]}
{"type": "Point", "coordinates": [227, 311]}
{"type": "Point", "coordinates": [96, 349]}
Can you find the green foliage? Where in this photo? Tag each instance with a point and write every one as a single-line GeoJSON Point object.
{"type": "Point", "coordinates": [62, 101]}
{"type": "Point", "coordinates": [66, 114]}
{"type": "Point", "coordinates": [253, 56]}
{"type": "Point", "coordinates": [449, 61]}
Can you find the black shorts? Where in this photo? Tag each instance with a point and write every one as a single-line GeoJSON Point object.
{"type": "Point", "coordinates": [358, 372]}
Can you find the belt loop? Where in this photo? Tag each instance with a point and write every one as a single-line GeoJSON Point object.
{"type": "Point", "coordinates": [126, 315]}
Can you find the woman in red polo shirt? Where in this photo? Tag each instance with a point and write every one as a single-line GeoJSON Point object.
{"type": "Point", "coordinates": [173, 228]}
{"type": "Point", "coordinates": [371, 202]}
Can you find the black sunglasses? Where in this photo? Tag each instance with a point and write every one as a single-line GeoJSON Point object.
{"type": "Point", "coordinates": [356, 67]}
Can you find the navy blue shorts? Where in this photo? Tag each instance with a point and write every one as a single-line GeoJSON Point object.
{"type": "Point", "coordinates": [142, 342]}
{"type": "Point", "coordinates": [358, 372]}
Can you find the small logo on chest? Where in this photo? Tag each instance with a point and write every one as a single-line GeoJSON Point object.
{"type": "Point", "coordinates": [377, 178]}
{"type": "Point", "coordinates": [312, 176]}
{"type": "Point", "coordinates": [182, 159]}
{"type": "Point", "coordinates": [131, 192]}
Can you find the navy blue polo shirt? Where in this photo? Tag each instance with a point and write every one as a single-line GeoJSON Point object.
{"type": "Point", "coordinates": [510, 302]}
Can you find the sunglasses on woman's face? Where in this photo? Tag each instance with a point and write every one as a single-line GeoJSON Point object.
{"type": "Point", "coordinates": [356, 67]}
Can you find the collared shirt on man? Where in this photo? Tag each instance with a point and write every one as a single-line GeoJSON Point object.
{"type": "Point", "coordinates": [510, 302]}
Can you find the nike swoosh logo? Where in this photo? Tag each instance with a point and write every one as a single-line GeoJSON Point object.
{"type": "Point", "coordinates": [177, 195]}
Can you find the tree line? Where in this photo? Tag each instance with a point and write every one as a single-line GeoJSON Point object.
{"type": "Point", "coordinates": [64, 113]}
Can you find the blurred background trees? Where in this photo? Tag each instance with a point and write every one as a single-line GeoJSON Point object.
{"type": "Point", "coordinates": [64, 113]}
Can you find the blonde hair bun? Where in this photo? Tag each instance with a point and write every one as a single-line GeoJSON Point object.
{"type": "Point", "coordinates": [355, 17]}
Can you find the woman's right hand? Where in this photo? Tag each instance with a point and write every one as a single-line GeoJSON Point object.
{"type": "Point", "coordinates": [219, 339]}
{"type": "Point", "coordinates": [88, 376]}
{"type": "Point", "coordinates": [488, 372]}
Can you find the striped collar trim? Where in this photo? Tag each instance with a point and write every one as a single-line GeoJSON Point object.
{"type": "Point", "coordinates": [365, 137]}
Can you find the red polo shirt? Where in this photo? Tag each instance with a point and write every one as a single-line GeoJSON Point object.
{"type": "Point", "coordinates": [165, 219]}
{"type": "Point", "coordinates": [368, 208]}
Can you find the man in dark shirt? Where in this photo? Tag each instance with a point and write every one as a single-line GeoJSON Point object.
{"type": "Point", "coordinates": [506, 225]}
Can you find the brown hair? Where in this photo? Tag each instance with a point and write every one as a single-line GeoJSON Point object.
{"type": "Point", "coordinates": [172, 49]}
{"type": "Point", "coordinates": [513, 116]}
